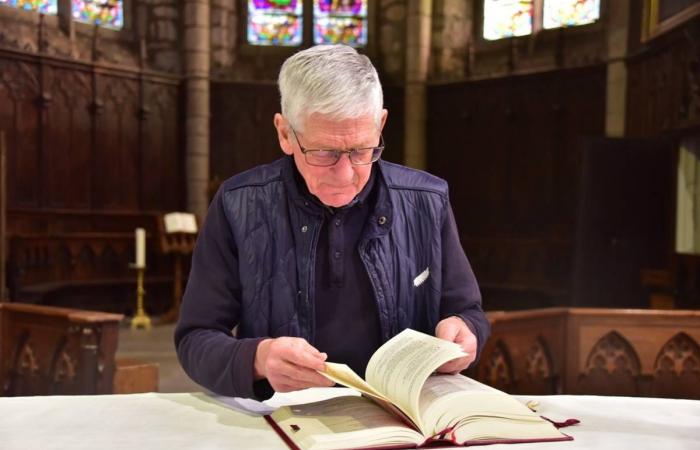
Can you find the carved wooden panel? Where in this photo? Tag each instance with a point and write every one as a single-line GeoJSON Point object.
{"type": "Point", "coordinates": [677, 367]}
{"type": "Point", "coordinates": [243, 135]}
{"type": "Point", "coordinates": [593, 351]}
{"type": "Point", "coordinates": [116, 159]}
{"type": "Point", "coordinates": [612, 368]}
{"type": "Point", "coordinates": [68, 133]}
{"type": "Point", "coordinates": [19, 117]}
{"type": "Point", "coordinates": [161, 165]}
{"type": "Point", "coordinates": [664, 83]}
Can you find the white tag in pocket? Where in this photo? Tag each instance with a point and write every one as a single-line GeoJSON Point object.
{"type": "Point", "coordinates": [420, 279]}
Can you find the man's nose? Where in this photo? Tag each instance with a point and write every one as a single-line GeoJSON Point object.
{"type": "Point", "coordinates": [344, 162]}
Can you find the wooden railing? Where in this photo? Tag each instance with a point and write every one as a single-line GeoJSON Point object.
{"type": "Point", "coordinates": [627, 352]}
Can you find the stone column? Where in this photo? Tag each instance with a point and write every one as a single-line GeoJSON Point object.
{"type": "Point", "coordinates": [196, 61]}
{"type": "Point", "coordinates": [418, 29]}
{"type": "Point", "coordinates": [616, 85]}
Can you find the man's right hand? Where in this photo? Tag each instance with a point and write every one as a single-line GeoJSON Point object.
{"type": "Point", "coordinates": [290, 364]}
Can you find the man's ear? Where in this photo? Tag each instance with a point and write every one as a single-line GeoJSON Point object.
{"type": "Point", "coordinates": [283, 134]}
{"type": "Point", "coordinates": [382, 121]}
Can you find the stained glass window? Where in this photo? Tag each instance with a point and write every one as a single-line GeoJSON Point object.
{"type": "Point", "coordinates": [43, 6]}
{"type": "Point", "coordinates": [340, 22]}
{"type": "Point", "coordinates": [569, 13]}
{"type": "Point", "coordinates": [108, 13]}
{"type": "Point", "coordinates": [506, 18]}
{"type": "Point", "coordinates": [275, 22]}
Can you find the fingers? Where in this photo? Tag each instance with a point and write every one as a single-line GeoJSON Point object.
{"type": "Point", "coordinates": [454, 329]}
{"type": "Point", "coordinates": [291, 364]}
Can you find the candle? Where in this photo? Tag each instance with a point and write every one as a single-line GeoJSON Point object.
{"type": "Point", "coordinates": [140, 248]}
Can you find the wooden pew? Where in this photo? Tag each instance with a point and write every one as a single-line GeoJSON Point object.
{"type": "Point", "coordinates": [45, 350]}
{"type": "Point", "coordinates": [80, 259]}
{"type": "Point", "coordinates": [593, 351]}
{"type": "Point", "coordinates": [83, 270]}
{"type": "Point", "coordinates": [59, 351]}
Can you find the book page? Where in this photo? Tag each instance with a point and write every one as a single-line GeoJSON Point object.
{"type": "Point", "coordinates": [343, 374]}
{"type": "Point", "coordinates": [342, 422]}
{"type": "Point", "coordinates": [399, 368]}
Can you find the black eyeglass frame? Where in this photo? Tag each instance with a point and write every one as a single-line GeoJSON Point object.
{"type": "Point", "coordinates": [338, 153]}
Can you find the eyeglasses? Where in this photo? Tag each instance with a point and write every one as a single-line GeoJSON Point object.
{"type": "Point", "coordinates": [327, 158]}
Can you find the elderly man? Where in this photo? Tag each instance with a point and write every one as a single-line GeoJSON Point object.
{"type": "Point", "coordinates": [327, 252]}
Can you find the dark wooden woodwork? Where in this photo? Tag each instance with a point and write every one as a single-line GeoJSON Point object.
{"type": "Point", "coordinates": [593, 351]}
{"type": "Point", "coordinates": [624, 225]}
{"type": "Point", "coordinates": [58, 351]}
{"type": "Point", "coordinates": [510, 149]}
{"type": "Point", "coordinates": [93, 151]}
{"type": "Point", "coordinates": [243, 135]}
{"type": "Point", "coordinates": [663, 87]}
{"type": "Point", "coordinates": [80, 259]}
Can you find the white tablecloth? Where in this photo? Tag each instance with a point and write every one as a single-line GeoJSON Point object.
{"type": "Point", "coordinates": [199, 421]}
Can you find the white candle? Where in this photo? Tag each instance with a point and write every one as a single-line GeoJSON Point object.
{"type": "Point", "coordinates": [140, 248]}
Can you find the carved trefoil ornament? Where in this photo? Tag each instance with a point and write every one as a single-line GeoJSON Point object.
{"type": "Point", "coordinates": [27, 364]}
{"type": "Point", "coordinates": [64, 370]}
{"type": "Point", "coordinates": [498, 370]}
{"type": "Point", "coordinates": [538, 363]}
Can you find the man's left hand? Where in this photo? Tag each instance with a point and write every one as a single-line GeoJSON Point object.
{"type": "Point", "coordinates": [454, 329]}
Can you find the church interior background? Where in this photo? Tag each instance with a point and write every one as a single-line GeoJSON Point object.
{"type": "Point", "coordinates": [568, 131]}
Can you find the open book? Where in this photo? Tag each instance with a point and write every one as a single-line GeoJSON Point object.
{"type": "Point", "coordinates": [180, 222]}
{"type": "Point", "coordinates": [403, 404]}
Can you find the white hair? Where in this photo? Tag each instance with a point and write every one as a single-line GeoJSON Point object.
{"type": "Point", "coordinates": [333, 80]}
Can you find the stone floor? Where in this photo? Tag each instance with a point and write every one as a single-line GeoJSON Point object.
{"type": "Point", "coordinates": [156, 345]}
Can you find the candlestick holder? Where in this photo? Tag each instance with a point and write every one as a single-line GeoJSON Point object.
{"type": "Point", "coordinates": [140, 319]}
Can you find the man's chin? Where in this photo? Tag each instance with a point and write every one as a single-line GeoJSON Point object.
{"type": "Point", "coordinates": [336, 201]}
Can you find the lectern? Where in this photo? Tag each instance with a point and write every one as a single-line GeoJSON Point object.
{"type": "Point", "coordinates": [178, 234]}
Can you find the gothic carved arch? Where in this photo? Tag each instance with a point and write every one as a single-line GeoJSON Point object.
{"type": "Point", "coordinates": [612, 367]}
{"type": "Point", "coordinates": [677, 368]}
{"type": "Point", "coordinates": [540, 377]}
{"type": "Point", "coordinates": [63, 367]}
{"type": "Point", "coordinates": [538, 362]}
{"type": "Point", "coordinates": [27, 364]}
{"type": "Point", "coordinates": [70, 87]}
{"type": "Point", "coordinates": [121, 94]}
{"type": "Point", "coordinates": [19, 80]}
{"type": "Point", "coordinates": [498, 369]}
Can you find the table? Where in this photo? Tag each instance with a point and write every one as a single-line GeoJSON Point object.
{"type": "Point", "coordinates": [202, 421]}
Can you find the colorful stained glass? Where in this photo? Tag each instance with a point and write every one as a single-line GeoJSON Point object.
{"type": "Point", "coordinates": [507, 18]}
{"type": "Point", "coordinates": [340, 22]}
{"type": "Point", "coordinates": [43, 6]}
{"type": "Point", "coordinates": [108, 13]}
{"type": "Point", "coordinates": [569, 13]}
{"type": "Point", "coordinates": [275, 22]}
